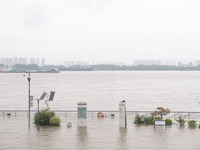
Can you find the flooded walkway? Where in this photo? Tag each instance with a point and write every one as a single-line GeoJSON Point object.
{"type": "Point", "coordinates": [99, 134]}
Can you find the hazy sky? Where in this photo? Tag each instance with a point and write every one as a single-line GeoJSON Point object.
{"type": "Point", "coordinates": [100, 30]}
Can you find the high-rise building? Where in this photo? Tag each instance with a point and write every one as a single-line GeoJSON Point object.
{"type": "Point", "coordinates": [16, 61]}
{"type": "Point", "coordinates": [43, 62]}
{"type": "Point", "coordinates": [10, 61]}
{"type": "Point", "coordinates": [23, 61]}
{"type": "Point", "coordinates": [38, 61]}
{"type": "Point", "coordinates": [82, 63]}
{"type": "Point", "coordinates": [32, 61]}
{"type": "Point", "coordinates": [69, 63]}
{"type": "Point", "coordinates": [147, 62]}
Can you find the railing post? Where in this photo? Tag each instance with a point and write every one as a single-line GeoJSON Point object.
{"type": "Point", "coordinates": [15, 114]}
{"type": "Point", "coordinates": [3, 114]}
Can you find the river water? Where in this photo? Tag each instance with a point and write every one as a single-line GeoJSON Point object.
{"type": "Point", "coordinates": [142, 90]}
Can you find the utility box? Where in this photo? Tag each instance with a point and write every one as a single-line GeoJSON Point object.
{"type": "Point", "coordinates": [82, 114]}
{"type": "Point", "coordinates": [122, 114]}
{"type": "Point", "coordinates": [31, 98]}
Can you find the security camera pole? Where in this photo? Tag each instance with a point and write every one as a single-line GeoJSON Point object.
{"type": "Point", "coordinates": [49, 98]}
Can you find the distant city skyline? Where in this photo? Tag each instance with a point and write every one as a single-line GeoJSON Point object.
{"type": "Point", "coordinates": [96, 31]}
{"type": "Point", "coordinates": [11, 61]}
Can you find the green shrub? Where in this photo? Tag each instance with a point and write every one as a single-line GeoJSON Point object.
{"type": "Point", "coordinates": [181, 120]}
{"type": "Point", "coordinates": [148, 120]}
{"type": "Point", "coordinates": [192, 123]}
{"type": "Point", "coordinates": [55, 121]}
{"type": "Point", "coordinates": [199, 125]}
{"type": "Point", "coordinates": [139, 119]}
{"type": "Point", "coordinates": [44, 116]}
{"type": "Point", "coordinates": [168, 122]}
{"type": "Point", "coordinates": [157, 118]}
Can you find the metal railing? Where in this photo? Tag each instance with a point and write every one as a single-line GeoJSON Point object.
{"type": "Point", "coordinates": [93, 113]}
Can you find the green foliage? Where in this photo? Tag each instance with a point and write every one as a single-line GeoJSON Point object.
{"type": "Point", "coordinates": [199, 125]}
{"type": "Point", "coordinates": [157, 118]}
{"type": "Point", "coordinates": [181, 120]}
{"type": "Point", "coordinates": [150, 120]}
{"type": "Point", "coordinates": [139, 119]}
{"type": "Point", "coordinates": [168, 122]}
{"type": "Point", "coordinates": [55, 121]}
{"type": "Point", "coordinates": [44, 116]}
{"type": "Point", "coordinates": [192, 123]}
{"type": "Point", "coordinates": [26, 67]}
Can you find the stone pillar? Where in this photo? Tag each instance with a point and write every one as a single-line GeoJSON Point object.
{"type": "Point", "coordinates": [122, 114]}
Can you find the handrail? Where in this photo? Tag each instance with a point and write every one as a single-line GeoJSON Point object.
{"type": "Point", "coordinates": [134, 111]}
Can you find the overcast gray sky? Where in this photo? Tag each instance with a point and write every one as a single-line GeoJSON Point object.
{"type": "Point", "coordinates": [100, 30]}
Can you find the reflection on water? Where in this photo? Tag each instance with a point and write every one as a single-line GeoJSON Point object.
{"type": "Point", "coordinates": [122, 135]}
{"type": "Point", "coordinates": [123, 138]}
{"type": "Point", "coordinates": [103, 134]}
{"type": "Point", "coordinates": [82, 137]}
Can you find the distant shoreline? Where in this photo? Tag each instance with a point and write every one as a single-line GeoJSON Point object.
{"type": "Point", "coordinates": [101, 67]}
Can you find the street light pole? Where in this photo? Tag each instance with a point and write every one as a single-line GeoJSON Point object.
{"type": "Point", "coordinates": [38, 123]}
{"type": "Point", "coordinates": [29, 91]}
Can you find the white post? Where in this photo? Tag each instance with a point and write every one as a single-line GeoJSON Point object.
{"type": "Point", "coordinates": [82, 114]}
{"type": "Point", "coordinates": [122, 114]}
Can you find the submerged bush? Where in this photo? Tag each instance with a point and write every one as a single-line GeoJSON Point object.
{"type": "Point", "coordinates": [44, 116]}
{"type": "Point", "coordinates": [55, 121]}
{"type": "Point", "coordinates": [192, 123]}
{"type": "Point", "coordinates": [139, 119]}
{"type": "Point", "coordinates": [150, 120]}
{"type": "Point", "coordinates": [168, 122]}
{"type": "Point", "coordinates": [181, 120]}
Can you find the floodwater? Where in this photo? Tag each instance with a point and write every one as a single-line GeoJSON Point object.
{"type": "Point", "coordinates": [142, 90]}
{"type": "Point", "coordinates": [176, 90]}
{"type": "Point", "coordinates": [100, 134]}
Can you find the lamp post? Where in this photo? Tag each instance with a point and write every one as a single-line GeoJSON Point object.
{"type": "Point", "coordinates": [29, 91]}
{"type": "Point", "coordinates": [38, 123]}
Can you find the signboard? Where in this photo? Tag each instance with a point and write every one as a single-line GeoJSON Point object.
{"type": "Point", "coordinates": [31, 104]}
{"type": "Point", "coordinates": [159, 123]}
{"type": "Point", "coordinates": [82, 113]}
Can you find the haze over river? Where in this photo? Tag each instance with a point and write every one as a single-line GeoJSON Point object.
{"type": "Point", "coordinates": [142, 90]}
